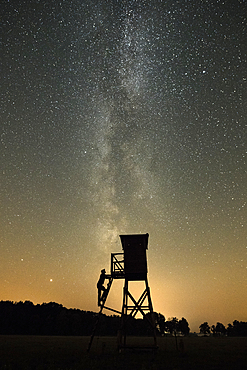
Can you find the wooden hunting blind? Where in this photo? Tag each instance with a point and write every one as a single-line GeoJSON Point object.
{"type": "Point", "coordinates": [135, 258]}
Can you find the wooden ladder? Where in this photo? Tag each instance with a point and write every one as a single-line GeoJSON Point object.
{"type": "Point", "coordinates": [103, 300]}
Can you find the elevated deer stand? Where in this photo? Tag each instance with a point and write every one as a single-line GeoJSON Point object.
{"type": "Point", "coordinates": [131, 265]}
{"type": "Point", "coordinates": [135, 270]}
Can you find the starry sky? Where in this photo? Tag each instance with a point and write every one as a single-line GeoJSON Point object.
{"type": "Point", "coordinates": [125, 117]}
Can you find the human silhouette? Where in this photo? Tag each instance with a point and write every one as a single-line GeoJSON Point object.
{"type": "Point", "coordinates": [100, 286]}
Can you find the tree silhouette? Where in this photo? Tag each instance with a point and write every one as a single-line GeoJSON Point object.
{"type": "Point", "coordinates": [220, 329]}
{"type": "Point", "coordinates": [239, 328]}
{"type": "Point", "coordinates": [204, 328]}
{"type": "Point", "coordinates": [160, 323]}
{"type": "Point", "coordinates": [172, 325]}
{"type": "Point", "coordinates": [213, 330]}
{"type": "Point", "coordinates": [183, 326]}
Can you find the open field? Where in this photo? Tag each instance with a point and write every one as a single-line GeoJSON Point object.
{"type": "Point", "coordinates": [37, 352]}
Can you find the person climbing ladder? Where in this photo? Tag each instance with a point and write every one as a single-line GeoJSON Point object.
{"type": "Point", "coordinates": [100, 286]}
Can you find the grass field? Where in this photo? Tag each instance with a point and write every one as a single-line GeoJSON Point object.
{"type": "Point", "coordinates": [37, 352]}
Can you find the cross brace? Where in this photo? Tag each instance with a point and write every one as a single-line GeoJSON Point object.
{"type": "Point", "coordinates": [130, 311]}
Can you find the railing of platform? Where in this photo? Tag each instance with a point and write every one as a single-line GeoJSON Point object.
{"type": "Point", "coordinates": [117, 265]}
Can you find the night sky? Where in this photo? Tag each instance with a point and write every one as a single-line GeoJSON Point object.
{"type": "Point", "coordinates": [125, 117]}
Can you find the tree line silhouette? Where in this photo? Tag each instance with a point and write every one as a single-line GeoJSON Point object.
{"type": "Point", "coordinates": [49, 319]}
{"type": "Point", "coordinates": [237, 329]}
{"type": "Point", "coordinates": [54, 319]}
{"type": "Point", "coordinates": [172, 325]}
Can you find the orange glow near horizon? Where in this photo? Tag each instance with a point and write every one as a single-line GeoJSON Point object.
{"type": "Point", "coordinates": [197, 293]}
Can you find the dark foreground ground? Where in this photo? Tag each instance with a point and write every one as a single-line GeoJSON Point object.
{"type": "Point", "coordinates": [36, 352]}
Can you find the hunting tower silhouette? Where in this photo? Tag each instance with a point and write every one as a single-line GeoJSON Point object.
{"type": "Point", "coordinates": [130, 265]}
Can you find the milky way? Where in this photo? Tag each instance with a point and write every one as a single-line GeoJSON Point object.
{"type": "Point", "coordinates": [125, 117]}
